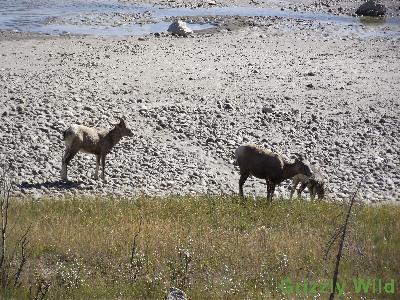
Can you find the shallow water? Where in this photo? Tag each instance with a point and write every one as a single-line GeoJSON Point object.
{"type": "Point", "coordinates": [123, 30]}
{"type": "Point", "coordinates": [108, 17]}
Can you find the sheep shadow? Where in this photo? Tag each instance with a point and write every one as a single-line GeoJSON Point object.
{"type": "Point", "coordinates": [59, 185]}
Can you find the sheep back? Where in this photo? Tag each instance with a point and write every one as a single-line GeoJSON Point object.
{"type": "Point", "coordinates": [84, 138]}
{"type": "Point", "coordinates": [259, 162]}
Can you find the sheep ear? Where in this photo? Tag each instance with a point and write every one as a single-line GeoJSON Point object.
{"type": "Point", "coordinates": [121, 120]}
{"type": "Point", "coordinates": [115, 124]}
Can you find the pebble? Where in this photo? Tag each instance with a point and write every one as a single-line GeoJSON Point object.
{"type": "Point", "coordinates": [186, 132]}
{"type": "Point", "coordinates": [267, 109]}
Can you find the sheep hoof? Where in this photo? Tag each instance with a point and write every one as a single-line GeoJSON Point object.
{"type": "Point", "coordinates": [64, 175]}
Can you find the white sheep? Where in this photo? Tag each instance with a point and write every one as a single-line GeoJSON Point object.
{"type": "Point", "coordinates": [97, 141]}
{"type": "Point", "coordinates": [264, 164]}
{"type": "Point", "coordinates": [315, 183]}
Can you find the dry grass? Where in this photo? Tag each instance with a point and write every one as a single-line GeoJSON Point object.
{"type": "Point", "coordinates": [212, 247]}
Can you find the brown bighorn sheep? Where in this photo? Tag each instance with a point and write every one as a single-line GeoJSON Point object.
{"type": "Point", "coordinates": [315, 184]}
{"type": "Point", "coordinates": [97, 141]}
{"type": "Point", "coordinates": [264, 164]}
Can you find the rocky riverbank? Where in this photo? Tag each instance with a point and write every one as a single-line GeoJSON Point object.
{"type": "Point", "coordinates": [342, 7]}
{"type": "Point", "coordinates": [292, 86]}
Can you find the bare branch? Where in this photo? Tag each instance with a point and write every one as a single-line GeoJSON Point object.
{"type": "Point", "coordinates": [335, 235]}
{"type": "Point", "coordinates": [5, 192]}
{"type": "Point", "coordinates": [23, 242]}
{"type": "Point", "coordinates": [332, 241]}
{"type": "Point", "coordinates": [133, 249]}
{"type": "Point", "coordinates": [9, 272]}
{"type": "Point", "coordinates": [339, 254]}
{"type": "Point", "coordinates": [134, 267]}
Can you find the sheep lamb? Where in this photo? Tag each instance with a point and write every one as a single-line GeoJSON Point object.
{"type": "Point", "coordinates": [264, 164]}
{"type": "Point", "coordinates": [97, 141]}
{"type": "Point", "coordinates": [314, 183]}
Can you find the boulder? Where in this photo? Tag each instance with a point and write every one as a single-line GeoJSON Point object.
{"type": "Point", "coordinates": [267, 110]}
{"type": "Point", "coordinates": [176, 294]}
{"type": "Point", "coordinates": [179, 28]}
{"type": "Point", "coordinates": [371, 8]}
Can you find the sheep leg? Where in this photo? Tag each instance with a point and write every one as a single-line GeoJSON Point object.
{"type": "Point", "coordinates": [68, 156]}
{"type": "Point", "coordinates": [312, 190]}
{"type": "Point", "coordinates": [103, 164]}
{"type": "Point", "coordinates": [64, 165]}
{"type": "Point", "coordinates": [301, 189]}
{"type": "Point", "coordinates": [242, 180]}
{"type": "Point", "coordinates": [268, 187]}
{"type": "Point", "coordinates": [293, 188]}
{"type": "Point", "coordinates": [96, 173]}
{"type": "Point", "coordinates": [320, 194]}
{"type": "Point", "coordinates": [271, 191]}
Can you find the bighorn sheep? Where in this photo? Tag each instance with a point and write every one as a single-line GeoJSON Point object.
{"type": "Point", "coordinates": [314, 183]}
{"type": "Point", "coordinates": [264, 164]}
{"type": "Point", "coordinates": [97, 141]}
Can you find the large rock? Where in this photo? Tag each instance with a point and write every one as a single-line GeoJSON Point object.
{"type": "Point", "coordinates": [371, 8]}
{"type": "Point", "coordinates": [180, 28]}
{"type": "Point", "coordinates": [176, 294]}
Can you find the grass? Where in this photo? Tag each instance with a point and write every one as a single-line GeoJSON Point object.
{"type": "Point", "coordinates": [211, 247]}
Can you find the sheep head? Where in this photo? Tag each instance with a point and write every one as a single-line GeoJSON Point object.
{"type": "Point", "coordinates": [125, 131]}
{"type": "Point", "coordinates": [302, 167]}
